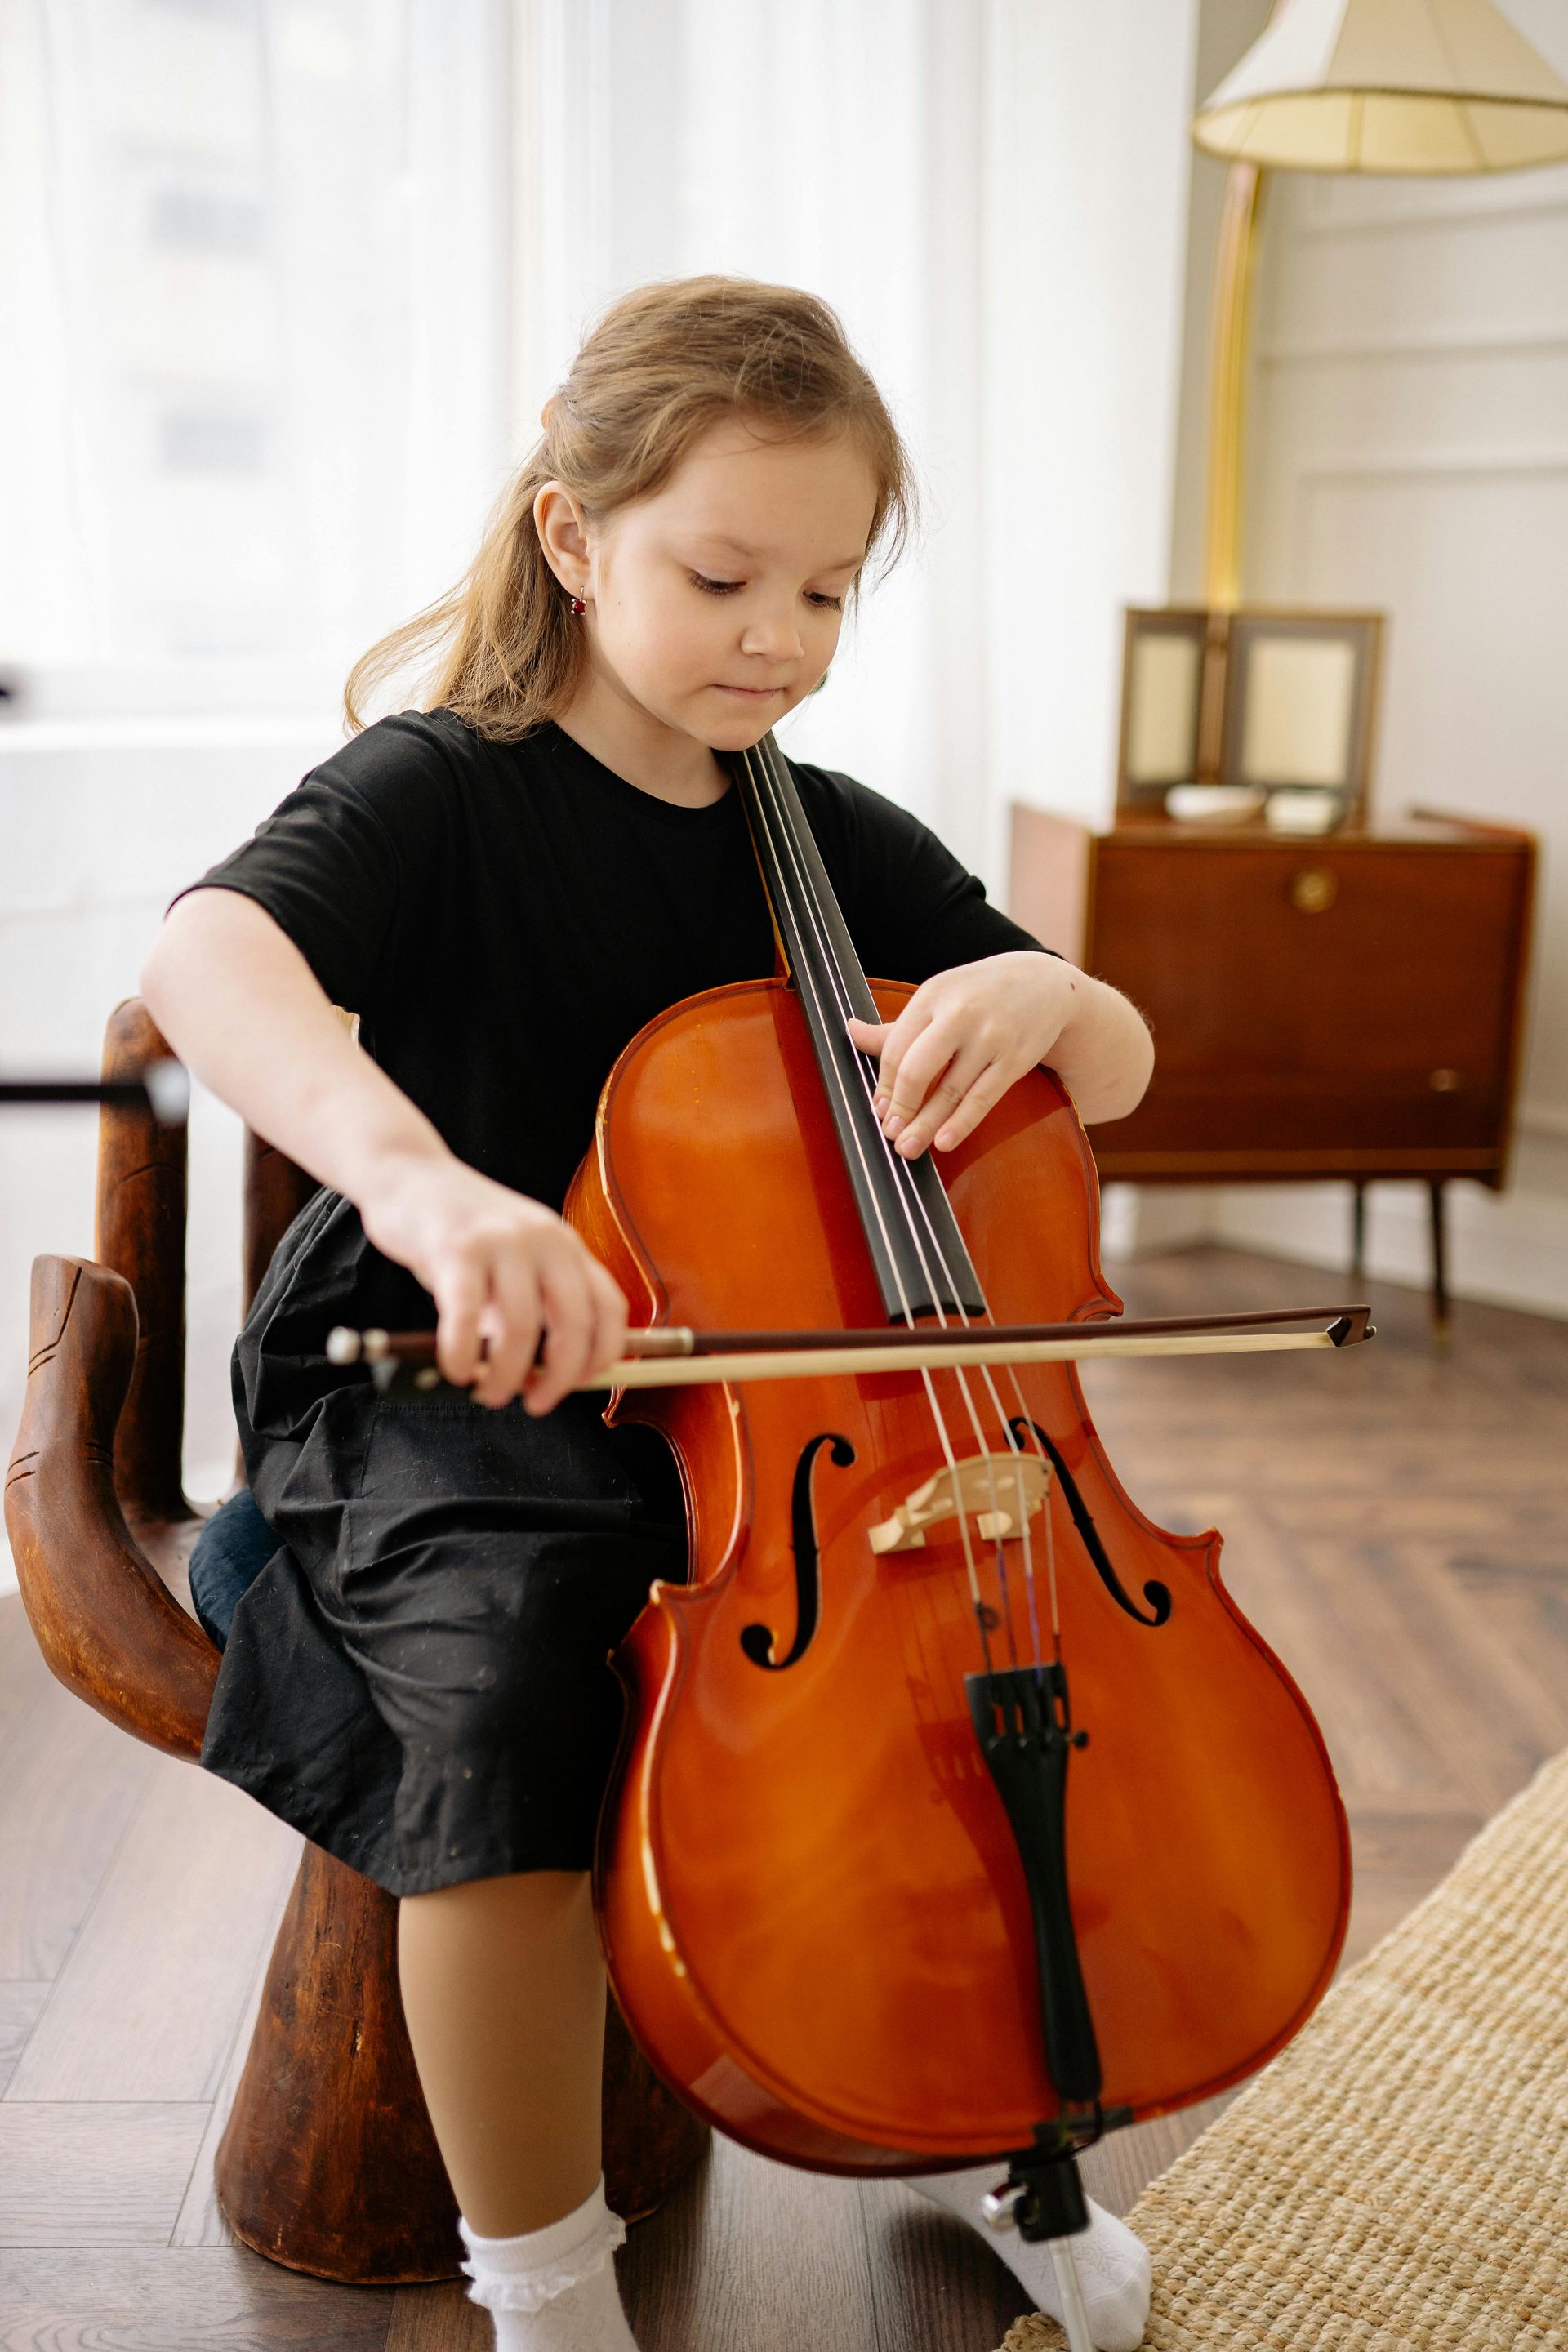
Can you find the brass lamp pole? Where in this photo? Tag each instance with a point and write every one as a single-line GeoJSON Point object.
{"type": "Point", "coordinates": [1422, 88]}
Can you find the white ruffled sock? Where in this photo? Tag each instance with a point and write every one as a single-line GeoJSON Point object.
{"type": "Point", "coordinates": [554, 2290]}
{"type": "Point", "coordinates": [1112, 2263]}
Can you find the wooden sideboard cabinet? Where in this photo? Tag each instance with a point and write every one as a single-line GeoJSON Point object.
{"type": "Point", "coordinates": [1347, 1006]}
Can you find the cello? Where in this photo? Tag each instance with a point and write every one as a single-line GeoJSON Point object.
{"type": "Point", "coordinates": [855, 1909]}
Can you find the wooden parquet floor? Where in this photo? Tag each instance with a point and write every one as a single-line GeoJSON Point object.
{"type": "Point", "coordinates": [1397, 1527]}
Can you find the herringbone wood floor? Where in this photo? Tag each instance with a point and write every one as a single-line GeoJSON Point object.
{"type": "Point", "coordinates": [1397, 1527]}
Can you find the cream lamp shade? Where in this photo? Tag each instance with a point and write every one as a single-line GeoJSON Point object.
{"type": "Point", "coordinates": [1416, 86]}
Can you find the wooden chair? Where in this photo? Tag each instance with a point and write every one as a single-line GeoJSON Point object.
{"type": "Point", "coordinates": [329, 2164]}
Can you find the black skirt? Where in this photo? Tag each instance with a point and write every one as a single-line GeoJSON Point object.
{"type": "Point", "coordinates": [418, 1678]}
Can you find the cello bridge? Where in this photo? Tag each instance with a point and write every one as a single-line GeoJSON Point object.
{"type": "Point", "coordinates": [996, 1491]}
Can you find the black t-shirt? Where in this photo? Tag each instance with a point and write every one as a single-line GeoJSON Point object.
{"type": "Point", "coordinates": [505, 918]}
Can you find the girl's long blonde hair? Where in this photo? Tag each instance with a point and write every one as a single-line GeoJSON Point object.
{"type": "Point", "coordinates": [502, 649]}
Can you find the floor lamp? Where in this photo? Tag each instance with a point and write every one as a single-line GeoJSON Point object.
{"type": "Point", "coordinates": [1422, 88]}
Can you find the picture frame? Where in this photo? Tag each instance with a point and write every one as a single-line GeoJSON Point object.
{"type": "Point", "coordinates": [1266, 701]}
{"type": "Point", "coordinates": [1166, 660]}
{"type": "Point", "coordinates": [1300, 700]}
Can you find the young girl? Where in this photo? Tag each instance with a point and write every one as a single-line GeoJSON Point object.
{"type": "Point", "coordinates": [504, 886]}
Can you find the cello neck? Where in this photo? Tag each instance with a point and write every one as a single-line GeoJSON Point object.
{"type": "Point", "coordinates": [921, 1265]}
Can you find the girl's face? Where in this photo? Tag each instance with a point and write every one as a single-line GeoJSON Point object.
{"type": "Point", "coordinates": [715, 604]}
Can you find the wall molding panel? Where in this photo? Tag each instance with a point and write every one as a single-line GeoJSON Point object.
{"type": "Point", "coordinates": [1408, 454]}
{"type": "Point", "coordinates": [1398, 350]}
{"type": "Point", "coordinates": [1333, 207]}
{"type": "Point", "coordinates": [1438, 464]}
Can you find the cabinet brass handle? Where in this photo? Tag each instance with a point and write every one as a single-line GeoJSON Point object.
{"type": "Point", "coordinates": [1314, 889]}
{"type": "Point", "coordinates": [1444, 1082]}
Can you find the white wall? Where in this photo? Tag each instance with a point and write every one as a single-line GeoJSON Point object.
{"type": "Point", "coordinates": [1411, 453]}
{"type": "Point", "coordinates": [264, 255]}
{"type": "Point", "coordinates": [1408, 445]}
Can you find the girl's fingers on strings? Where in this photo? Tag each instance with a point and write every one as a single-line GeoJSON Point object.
{"type": "Point", "coordinates": [889, 1041]}
{"type": "Point", "coordinates": [987, 1089]}
{"type": "Point", "coordinates": [932, 1079]}
{"type": "Point", "coordinates": [944, 1108]}
{"type": "Point", "coordinates": [871, 1038]}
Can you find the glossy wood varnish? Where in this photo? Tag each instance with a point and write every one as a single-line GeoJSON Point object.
{"type": "Point", "coordinates": [813, 1908]}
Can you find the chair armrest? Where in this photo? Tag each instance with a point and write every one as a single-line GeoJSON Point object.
{"type": "Point", "coordinates": [104, 1621]}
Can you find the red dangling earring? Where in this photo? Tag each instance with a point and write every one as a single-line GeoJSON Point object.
{"type": "Point", "coordinates": [576, 607]}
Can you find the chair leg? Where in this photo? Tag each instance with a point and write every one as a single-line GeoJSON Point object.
{"type": "Point", "coordinates": [652, 2140]}
{"type": "Point", "coordinates": [329, 2164]}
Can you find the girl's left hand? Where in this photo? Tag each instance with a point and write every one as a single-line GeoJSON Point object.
{"type": "Point", "coordinates": [963, 1039]}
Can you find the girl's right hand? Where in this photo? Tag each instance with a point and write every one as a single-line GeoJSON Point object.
{"type": "Point", "coordinates": [502, 1269]}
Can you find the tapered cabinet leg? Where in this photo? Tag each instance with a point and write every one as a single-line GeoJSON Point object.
{"type": "Point", "coordinates": [1439, 1262]}
{"type": "Point", "coordinates": [329, 2164]}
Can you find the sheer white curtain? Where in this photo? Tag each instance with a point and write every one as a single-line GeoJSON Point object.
{"type": "Point", "coordinates": [275, 350]}
{"type": "Point", "coordinates": [250, 257]}
{"type": "Point", "coordinates": [252, 404]}
{"type": "Point", "coordinates": [993, 194]}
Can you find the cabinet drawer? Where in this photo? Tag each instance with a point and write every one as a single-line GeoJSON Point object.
{"type": "Point", "coordinates": [1319, 994]}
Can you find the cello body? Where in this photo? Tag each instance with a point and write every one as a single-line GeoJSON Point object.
{"type": "Point", "coordinates": [816, 1917]}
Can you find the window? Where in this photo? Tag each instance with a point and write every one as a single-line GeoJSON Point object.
{"type": "Point", "coordinates": [258, 406]}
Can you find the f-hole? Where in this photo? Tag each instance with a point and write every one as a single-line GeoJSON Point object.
{"type": "Point", "coordinates": [1156, 1594]}
{"type": "Point", "coordinates": [757, 1641]}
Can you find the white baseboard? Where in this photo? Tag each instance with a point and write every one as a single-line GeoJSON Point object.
{"type": "Point", "coordinates": [1139, 1220]}
{"type": "Point", "coordinates": [1507, 1249]}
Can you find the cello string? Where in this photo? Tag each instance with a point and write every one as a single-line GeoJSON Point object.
{"type": "Point", "coordinates": [1036, 1450]}
{"type": "Point", "coordinates": [808, 980]}
{"type": "Point", "coordinates": [901, 1175]}
{"type": "Point", "coordinates": [904, 1188]}
{"type": "Point", "coordinates": [805, 980]}
{"type": "Point", "coordinates": [782, 819]}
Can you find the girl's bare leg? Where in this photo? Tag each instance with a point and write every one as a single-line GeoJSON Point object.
{"type": "Point", "coordinates": [503, 1988]}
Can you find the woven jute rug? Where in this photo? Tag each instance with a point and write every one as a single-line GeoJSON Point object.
{"type": "Point", "coordinates": [1399, 2179]}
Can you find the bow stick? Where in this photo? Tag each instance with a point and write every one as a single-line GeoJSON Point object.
{"type": "Point", "coordinates": [670, 1356]}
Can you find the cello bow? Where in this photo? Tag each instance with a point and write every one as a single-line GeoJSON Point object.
{"type": "Point", "coordinates": [666, 1356]}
